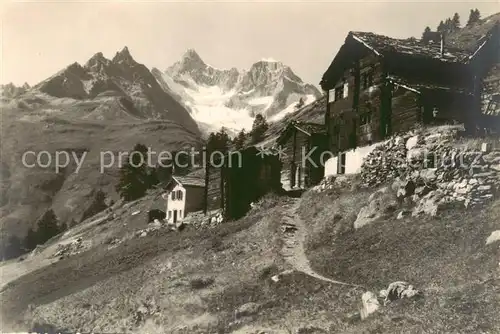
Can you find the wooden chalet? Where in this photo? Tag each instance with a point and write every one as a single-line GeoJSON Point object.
{"type": "Point", "coordinates": [301, 145]}
{"type": "Point", "coordinates": [239, 178]}
{"type": "Point", "coordinates": [377, 86]}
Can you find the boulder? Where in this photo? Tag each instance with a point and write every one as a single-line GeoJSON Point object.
{"type": "Point", "coordinates": [380, 204]}
{"type": "Point", "coordinates": [156, 214]}
{"type": "Point", "coordinates": [369, 304]}
{"type": "Point", "coordinates": [247, 310]}
{"type": "Point", "coordinates": [156, 224]}
{"type": "Point", "coordinates": [428, 175]}
{"type": "Point", "coordinates": [494, 237]}
{"type": "Point", "coordinates": [398, 290]}
{"type": "Point", "coordinates": [403, 214]}
{"type": "Point", "coordinates": [407, 189]}
{"type": "Point", "coordinates": [422, 191]}
{"type": "Point", "coordinates": [430, 204]}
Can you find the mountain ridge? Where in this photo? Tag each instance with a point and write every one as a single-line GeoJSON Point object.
{"type": "Point", "coordinates": [232, 97]}
{"type": "Point", "coordinates": [122, 79]}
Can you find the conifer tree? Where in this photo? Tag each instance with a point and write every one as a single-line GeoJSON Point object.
{"type": "Point", "coordinates": [441, 27]}
{"type": "Point", "coordinates": [259, 128]}
{"type": "Point", "coordinates": [30, 240]}
{"type": "Point", "coordinates": [218, 141]}
{"type": "Point", "coordinates": [425, 35]}
{"type": "Point", "coordinates": [134, 176]}
{"type": "Point", "coordinates": [47, 227]}
{"type": "Point", "coordinates": [239, 140]}
{"type": "Point", "coordinates": [455, 22]}
{"type": "Point", "coordinates": [474, 17]}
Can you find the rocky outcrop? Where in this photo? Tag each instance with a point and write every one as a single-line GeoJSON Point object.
{"type": "Point", "coordinates": [427, 172]}
{"type": "Point", "coordinates": [68, 249]}
{"type": "Point", "coordinates": [381, 203]}
{"type": "Point", "coordinates": [494, 237]}
{"type": "Point", "coordinates": [247, 309]}
{"type": "Point", "coordinates": [432, 173]}
{"type": "Point", "coordinates": [399, 290]}
{"type": "Point", "coordinates": [369, 304]}
{"type": "Point", "coordinates": [333, 182]}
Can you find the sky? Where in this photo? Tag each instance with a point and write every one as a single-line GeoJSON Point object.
{"type": "Point", "coordinates": [39, 39]}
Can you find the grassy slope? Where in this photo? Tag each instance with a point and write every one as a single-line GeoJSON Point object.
{"type": "Point", "coordinates": [101, 290]}
{"type": "Point", "coordinates": [445, 257]}
{"type": "Point", "coordinates": [62, 125]}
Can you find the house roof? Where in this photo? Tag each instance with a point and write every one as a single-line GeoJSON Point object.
{"type": "Point", "coordinates": [305, 127]}
{"type": "Point", "coordinates": [460, 47]}
{"type": "Point", "coordinates": [312, 113]}
{"type": "Point", "coordinates": [310, 128]}
{"type": "Point", "coordinates": [418, 87]}
{"type": "Point", "coordinates": [198, 173]}
{"type": "Point", "coordinates": [189, 181]}
{"type": "Point", "coordinates": [382, 45]}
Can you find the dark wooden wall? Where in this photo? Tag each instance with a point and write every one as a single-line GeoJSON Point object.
{"type": "Point", "coordinates": [405, 109]}
{"type": "Point", "coordinates": [213, 190]}
{"type": "Point", "coordinates": [316, 173]}
{"type": "Point", "coordinates": [194, 199]}
{"type": "Point", "coordinates": [247, 182]}
{"type": "Point", "coordinates": [297, 145]}
{"type": "Point", "coordinates": [242, 179]}
{"type": "Point", "coordinates": [344, 128]}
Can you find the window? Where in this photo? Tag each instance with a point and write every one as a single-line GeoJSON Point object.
{"type": "Point", "coordinates": [338, 93]}
{"type": "Point", "coordinates": [173, 195]}
{"type": "Point", "coordinates": [331, 95]}
{"type": "Point", "coordinates": [367, 79]}
{"type": "Point", "coordinates": [341, 163]}
{"type": "Point", "coordinates": [179, 194]}
{"type": "Point", "coordinates": [345, 90]}
{"type": "Point", "coordinates": [180, 213]}
{"type": "Point", "coordinates": [365, 118]}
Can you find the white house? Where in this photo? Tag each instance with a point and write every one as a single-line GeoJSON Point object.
{"type": "Point", "coordinates": [184, 194]}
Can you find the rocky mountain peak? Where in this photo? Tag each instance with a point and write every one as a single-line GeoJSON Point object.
{"type": "Point", "coordinates": [97, 61]}
{"type": "Point", "coordinates": [75, 66]}
{"type": "Point", "coordinates": [191, 54]}
{"type": "Point", "coordinates": [123, 56]}
{"type": "Point", "coordinates": [191, 60]}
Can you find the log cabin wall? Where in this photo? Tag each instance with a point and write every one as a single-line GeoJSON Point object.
{"type": "Point", "coordinates": [486, 64]}
{"type": "Point", "coordinates": [296, 171]}
{"type": "Point", "coordinates": [240, 182]}
{"type": "Point", "coordinates": [340, 110]}
{"type": "Point", "coordinates": [293, 174]}
{"type": "Point", "coordinates": [287, 145]}
{"type": "Point", "coordinates": [213, 189]}
{"type": "Point", "coordinates": [490, 104]}
{"type": "Point", "coordinates": [301, 143]}
{"type": "Point", "coordinates": [369, 109]}
{"type": "Point", "coordinates": [406, 110]}
{"type": "Point", "coordinates": [355, 120]}
{"type": "Point", "coordinates": [430, 71]}
{"type": "Point", "coordinates": [316, 172]}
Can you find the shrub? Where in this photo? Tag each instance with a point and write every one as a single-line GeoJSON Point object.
{"type": "Point", "coordinates": [201, 283]}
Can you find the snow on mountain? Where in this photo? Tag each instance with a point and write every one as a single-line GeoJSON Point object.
{"type": "Point", "coordinates": [231, 98]}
